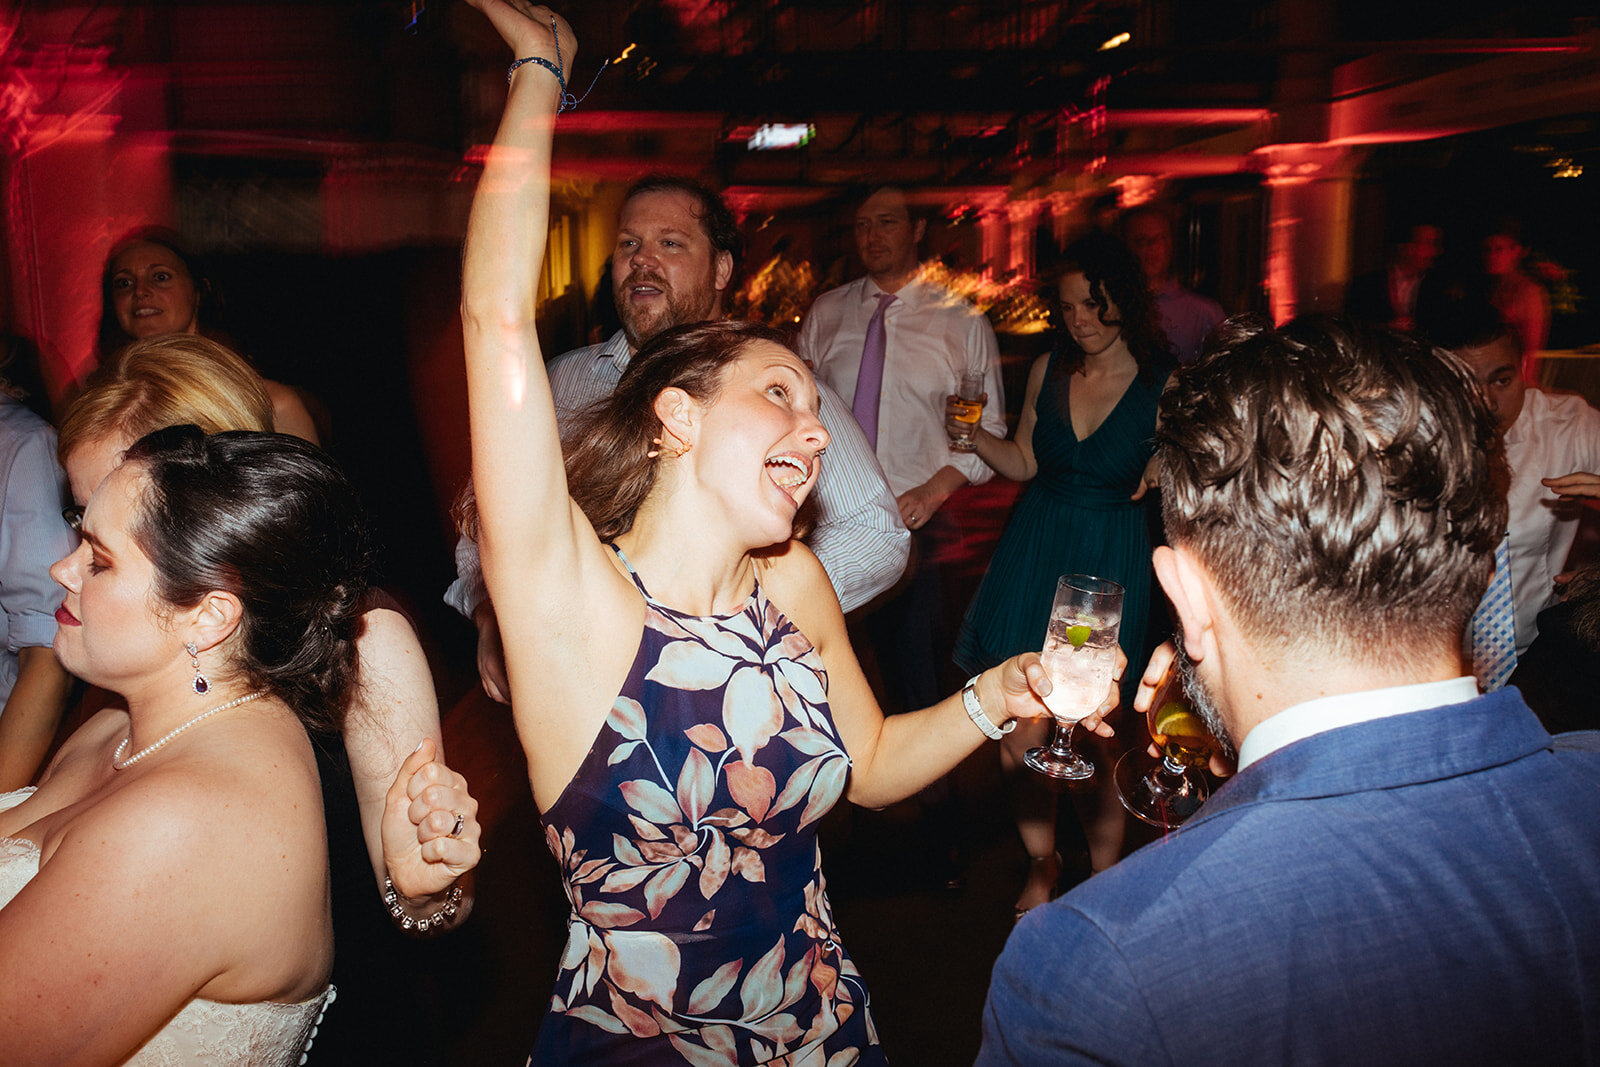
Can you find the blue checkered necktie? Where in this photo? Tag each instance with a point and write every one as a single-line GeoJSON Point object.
{"type": "Point", "coordinates": [1494, 626]}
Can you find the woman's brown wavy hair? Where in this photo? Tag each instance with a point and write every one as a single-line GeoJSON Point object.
{"type": "Point", "coordinates": [606, 445]}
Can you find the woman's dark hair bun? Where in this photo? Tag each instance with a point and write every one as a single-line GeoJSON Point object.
{"type": "Point", "coordinates": [272, 520]}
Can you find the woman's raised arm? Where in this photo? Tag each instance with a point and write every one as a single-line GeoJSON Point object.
{"type": "Point", "coordinates": [564, 608]}
{"type": "Point", "coordinates": [516, 450]}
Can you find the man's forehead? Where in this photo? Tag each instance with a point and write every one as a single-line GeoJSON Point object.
{"type": "Point", "coordinates": [661, 209]}
{"type": "Point", "coordinates": [1485, 360]}
{"type": "Point", "coordinates": [888, 203]}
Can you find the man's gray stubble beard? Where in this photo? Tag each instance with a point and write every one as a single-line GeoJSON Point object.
{"type": "Point", "coordinates": [1200, 698]}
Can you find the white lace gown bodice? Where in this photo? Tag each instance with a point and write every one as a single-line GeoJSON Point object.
{"type": "Point", "coordinates": [203, 1031]}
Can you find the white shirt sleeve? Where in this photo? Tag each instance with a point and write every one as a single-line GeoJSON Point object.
{"type": "Point", "coordinates": [468, 590]}
{"type": "Point", "coordinates": [33, 536]}
{"type": "Point", "coordinates": [576, 378]}
{"type": "Point", "coordinates": [859, 538]}
{"type": "Point", "coordinates": [983, 350]}
{"type": "Point", "coordinates": [1553, 436]}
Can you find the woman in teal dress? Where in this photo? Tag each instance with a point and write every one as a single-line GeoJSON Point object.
{"type": "Point", "coordinates": [1084, 440]}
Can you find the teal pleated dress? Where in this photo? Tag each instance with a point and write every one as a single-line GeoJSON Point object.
{"type": "Point", "coordinates": [1074, 518]}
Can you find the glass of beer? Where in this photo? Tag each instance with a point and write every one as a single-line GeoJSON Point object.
{"type": "Point", "coordinates": [1164, 792]}
{"type": "Point", "coordinates": [1080, 655]}
{"type": "Point", "coordinates": [968, 407]}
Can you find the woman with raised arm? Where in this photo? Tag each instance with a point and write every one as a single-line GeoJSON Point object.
{"type": "Point", "coordinates": [164, 891]}
{"type": "Point", "coordinates": [680, 675]}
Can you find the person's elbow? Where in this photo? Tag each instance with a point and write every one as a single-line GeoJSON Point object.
{"type": "Point", "coordinates": [888, 563]}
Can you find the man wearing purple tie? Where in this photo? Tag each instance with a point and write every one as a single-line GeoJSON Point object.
{"type": "Point", "coordinates": [894, 345]}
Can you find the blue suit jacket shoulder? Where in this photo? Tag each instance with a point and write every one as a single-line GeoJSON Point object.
{"type": "Point", "coordinates": [1423, 888]}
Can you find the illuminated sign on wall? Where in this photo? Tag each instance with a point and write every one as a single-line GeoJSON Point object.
{"type": "Point", "coordinates": [781, 135]}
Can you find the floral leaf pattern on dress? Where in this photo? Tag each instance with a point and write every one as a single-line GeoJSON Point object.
{"type": "Point", "coordinates": [752, 787]}
{"type": "Point", "coordinates": [751, 711]}
{"type": "Point", "coordinates": [689, 828]}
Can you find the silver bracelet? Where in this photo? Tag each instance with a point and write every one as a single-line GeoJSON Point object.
{"type": "Point", "coordinates": [397, 911]}
{"type": "Point", "coordinates": [969, 699]}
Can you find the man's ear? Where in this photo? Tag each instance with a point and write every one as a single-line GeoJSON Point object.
{"type": "Point", "coordinates": [214, 619]}
{"type": "Point", "coordinates": [724, 272]}
{"type": "Point", "coordinates": [918, 230]}
{"type": "Point", "coordinates": [1188, 585]}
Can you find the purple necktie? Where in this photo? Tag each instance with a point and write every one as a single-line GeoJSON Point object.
{"type": "Point", "coordinates": [869, 383]}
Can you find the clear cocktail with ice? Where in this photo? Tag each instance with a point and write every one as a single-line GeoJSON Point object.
{"type": "Point", "coordinates": [1080, 656]}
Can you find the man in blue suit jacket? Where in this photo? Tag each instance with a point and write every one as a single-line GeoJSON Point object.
{"type": "Point", "coordinates": [1401, 871]}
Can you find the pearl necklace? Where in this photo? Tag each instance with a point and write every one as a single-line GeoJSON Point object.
{"type": "Point", "coordinates": [118, 763]}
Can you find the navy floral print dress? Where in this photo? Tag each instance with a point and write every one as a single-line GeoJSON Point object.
{"type": "Point", "coordinates": [700, 930]}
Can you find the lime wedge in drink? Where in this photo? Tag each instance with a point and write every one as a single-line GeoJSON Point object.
{"type": "Point", "coordinates": [1175, 720]}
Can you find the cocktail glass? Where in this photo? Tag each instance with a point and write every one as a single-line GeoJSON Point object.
{"type": "Point", "coordinates": [1080, 655]}
{"type": "Point", "coordinates": [1164, 792]}
{"type": "Point", "coordinates": [970, 398]}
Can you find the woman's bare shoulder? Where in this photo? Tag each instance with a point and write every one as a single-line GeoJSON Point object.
{"type": "Point", "coordinates": [289, 412]}
{"type": "Point", "coordinates": [797, 584]}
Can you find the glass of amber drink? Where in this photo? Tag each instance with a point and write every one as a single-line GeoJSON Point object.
{"type": "Point", "coordinates": [1164, 792]}
{"type": "Point", "coordinates": [968, 407]}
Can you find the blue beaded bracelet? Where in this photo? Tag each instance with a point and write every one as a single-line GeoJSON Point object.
{"type": "Point", "coordinates": [568, 102]}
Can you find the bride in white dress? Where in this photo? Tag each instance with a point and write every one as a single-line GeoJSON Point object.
{"type": "Point", "coordinates": [164, 891]}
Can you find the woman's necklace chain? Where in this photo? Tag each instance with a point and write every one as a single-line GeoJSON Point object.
{"type": "Point", "coordinates": [118, 763]}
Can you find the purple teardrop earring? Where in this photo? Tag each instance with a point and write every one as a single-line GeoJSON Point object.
{"type": "Point", "coordinates": [202, 684]}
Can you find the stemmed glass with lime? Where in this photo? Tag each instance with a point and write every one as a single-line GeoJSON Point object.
{"type": "Point", "coordinates": [1080, 655]}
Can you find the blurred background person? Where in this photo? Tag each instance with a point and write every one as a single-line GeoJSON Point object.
{"type": "Point", "coordinates": [1523, 304]}
{"type": "Point", "coordinates": [153, 285]}
{"type": "Point", "coordinates": [1548, 436]}
{"type": "Point", "coordinates": [897, 345]}
{"type": "Point", "coordinates": [34, 688]}
{"type": "Point", "coordinates": [1084, 440]}
{"type": "Point", "coordinates": [1388, 297]}
{"type": "Point", "coordinates": [1185, 316]}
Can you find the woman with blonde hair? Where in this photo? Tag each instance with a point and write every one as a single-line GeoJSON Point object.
{"type": "Point", "coordinates": [391, 734]}
{"type": "Point", "coordinates": [168, 381]}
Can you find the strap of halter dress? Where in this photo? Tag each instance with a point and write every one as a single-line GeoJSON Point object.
{"type": "Point", "coordinates": [637, 581]}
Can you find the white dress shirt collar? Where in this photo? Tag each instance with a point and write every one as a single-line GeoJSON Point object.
{"type": "Point", "coordinates": [1300, 721]}
{"type": "Point", "coordinates": [912, 294]}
